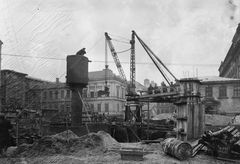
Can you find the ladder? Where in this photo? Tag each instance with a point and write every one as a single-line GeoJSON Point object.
{"type": "Point", "coordinates": [86, 106]}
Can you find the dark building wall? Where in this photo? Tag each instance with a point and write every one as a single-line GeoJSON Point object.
{"type": "Point", "coordinates": [12, 90]}
{"type": "Point", "coordinates": [230, 67]}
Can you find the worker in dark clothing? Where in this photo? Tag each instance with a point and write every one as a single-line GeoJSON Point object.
{"type": "Point", "coordinates": [150, 89]}
{"type": "Point", "coordinates": [5, 126]}
{"type": "Point", "coordinates": [81, 52]}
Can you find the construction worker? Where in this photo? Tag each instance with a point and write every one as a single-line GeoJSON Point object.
{"type": "Point", "coordinates": [5, 137]}
{"type": "Point", "coordinates": [150, 89]}
{"type": "Point", "coordinates": [81, 52]}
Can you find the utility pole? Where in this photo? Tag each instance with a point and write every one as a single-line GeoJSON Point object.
{"type": "Point", "coordinates": [0, 76]}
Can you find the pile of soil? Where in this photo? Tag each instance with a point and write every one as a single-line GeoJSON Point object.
{"type": "Point", "coordinates": [68, 143]}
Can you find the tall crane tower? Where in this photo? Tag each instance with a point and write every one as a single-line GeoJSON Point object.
{"type": "Point", "coordinates": [132, 65]}
{"type": "Point", "coordinates": [131, 87]}
{"type": "Point", "coordinates": [115, 57]}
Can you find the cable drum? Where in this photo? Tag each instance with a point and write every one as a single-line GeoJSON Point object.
{"type": "Point", "coordinates": [178, 149]}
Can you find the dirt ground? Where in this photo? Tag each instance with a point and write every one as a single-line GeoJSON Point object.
{"type": "Point", "coordinates": [110, 157]}
{"type": "Point", "coordinates": [95, 148]}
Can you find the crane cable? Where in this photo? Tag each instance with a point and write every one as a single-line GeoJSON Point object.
{"type": "Point", "coordinates": [123, 51]}
{"type": "Point", "coordinates": [148, 50]}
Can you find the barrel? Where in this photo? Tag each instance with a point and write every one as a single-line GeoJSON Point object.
{"type": "Point", "coordinates": [178, 149]}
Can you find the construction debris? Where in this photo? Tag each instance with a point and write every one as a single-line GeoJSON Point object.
{"type": "Point", "coordinates": [99, 147]}
{"type": "Point", "coordinates": [224, 144]}
{"type": "Point", "coordinates": [67, 143]}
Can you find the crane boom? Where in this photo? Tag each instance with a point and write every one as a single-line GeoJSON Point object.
{"type": "Point", "coordinates": [115, 57]}
{"type": "Point", "coordinates": [156, 60]}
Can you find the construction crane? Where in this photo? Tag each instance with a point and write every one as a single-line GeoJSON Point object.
{"type": "Point", "coordinates": [115, 57]}
{"type": "Point", "coordinates": [132, 67]}
{"type": "Point", "coordinates": [156, 60]}
{"type": "Point", "coordinates": [130, 87]}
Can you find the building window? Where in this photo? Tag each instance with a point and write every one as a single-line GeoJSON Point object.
{"type": "Point", "coordinates": [62, 94]}
{"type": "Point", "coordinates": [85, 92]}
{"type": "Point", "coordinates": [106, 107]}
{"type": "Point", "coordinates": [122, 93]}
{"type": "Point", "coordinates": [99, 107]}
{"type": "Point", "coordinates": [222, 91]}
{"type": "Point", "coordinates": [92, 93]}
{"type": "Point", "coordinates": [118, 107]}
{"type": "Point", "coordinates": [117, 91]}
{"type": "Point", "coordinates": [209, 110]}
{"type": "Point", "coordinates": [208, 91]}
{"type": "Point", "coordinates": [56, 94]}
{"type": "Point", "coordinates": [68, 93]}
{"type": "Point", "coordinates": [92, 107]}
{"type": "Point", "coordinates": [236, 92]}
{"type": "Point", "coordinates": [45, 95]}
{"type": "Point", "coordinates": [56, 106]}
{"type": "Point", "coordinates": [68, 108]}
{"type": "Point", "coordinates": [62, 106]}
{"type": "Point", "coordinates": [50, 95]}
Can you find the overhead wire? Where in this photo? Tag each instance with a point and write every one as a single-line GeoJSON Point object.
{"type": "Point", "coordinates": [17, 43]}
{"type": "Point", "coordinates": [120, 41]}
{"type": "Point", "coordinates": [59, 77]}
{"type": "Point", "coordinates": [123, 51]}
{"type": "Point", "coordinates": [120, 37]}
{"type": "Point", "coordinates": [99, 61]}
{"type": "Point", "coordinates": [7, 29]}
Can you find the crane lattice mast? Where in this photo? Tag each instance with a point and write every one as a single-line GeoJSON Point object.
{"type": "Point", "coordinates": [115, 57]}
{"type": "Point", "coordinates": [132, 64]}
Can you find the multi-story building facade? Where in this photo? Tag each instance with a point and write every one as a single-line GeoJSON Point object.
{"type": "Point", "coordinates": [12, 90]}
{"type": "Point", "coordinates": [112, 103]}
{"type": "Point", "coordinates": [19, 91]}
{"type": "Point", "coordinates": [220, 95]}
{"type": "Point", "coordinates": [50, 96]}
{"type": "Point", "coordinates": [230, 67]}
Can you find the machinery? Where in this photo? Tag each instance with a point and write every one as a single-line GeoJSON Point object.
{"type": "Point", "coordinates": [130, 87]}
{"type": "Point", "coordinates": [158, 63]}
{"type": "Point", "coordinates": [133, 107]}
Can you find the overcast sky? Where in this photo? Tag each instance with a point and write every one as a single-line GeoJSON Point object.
{"type": "Point", "coordinates": [191, 37]}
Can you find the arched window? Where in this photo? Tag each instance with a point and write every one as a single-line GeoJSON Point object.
{"type": "Point", "coordinates": [209, 110]}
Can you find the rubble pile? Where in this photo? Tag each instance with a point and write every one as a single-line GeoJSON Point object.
{"type": "Point", "coordinates": [222, 144]}
{"type": "Point", "coordinates": [68, 143]}
{"type": "Point", "coordinates": [65, 135]}
{"type": "Point", "coordinates": [108, 141]}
